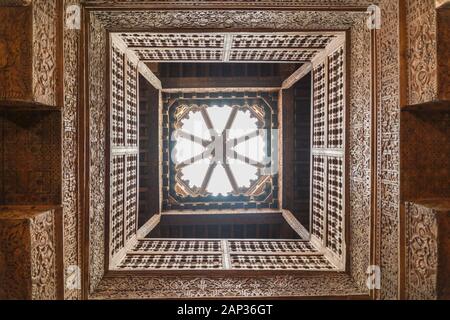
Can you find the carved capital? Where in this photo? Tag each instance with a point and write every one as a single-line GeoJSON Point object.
{"type": "Point", "coordinates": [15, 3]}
{"type": "Point", "coordinates": [442, 4]}
{"type": "Point", "coordinates": [28, 45]}
{"type": "Point", "coordinates": [28, 253]}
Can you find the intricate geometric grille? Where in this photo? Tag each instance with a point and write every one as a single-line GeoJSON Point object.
{"type": "Point", "coordinates": [131, 104]}
{"type": "Point", "coordinates": [319, 106]}
{"type": "Point", "coordinates": [272, 55]}
{"type": "Point", "coordinates": [123, 151]}
{"type": "Point", "coordinates": [318, 197]}
{"type": "Point", "coordinates": [117, 94]}
{"type": "Point", "coordinates": [178, 246]}
{"type": "Point", "coordinates": [179, 55]}
{"type": "Point", "coordinates": [280, 262]}
{"type": "Point", "coordinates": [173, 40]}
{"type": "Point", "coordinates": [335, 223]}
{"type": "Point", "coordinates": [336, 100]}
{"type": "Point", "coordinates": [167, 262]}
{"type": "Point", "coordinates": [117, 203]}
{"type": "Point", "coordinates": [131, 200]}
{"type": "Point", "coordinates": [149, 254]}
{"type": "Point", "coordinates": [281, 41]}
{"type": "Point", "coordinates": [270, 246]}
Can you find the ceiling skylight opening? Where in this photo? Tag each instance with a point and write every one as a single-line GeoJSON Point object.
{"type": "Point", "coordinates": [219, 149]}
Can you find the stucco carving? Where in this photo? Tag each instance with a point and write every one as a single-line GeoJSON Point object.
{"type": "Point", "coordinates": [70, 199]}
{"type": "Point", "coordinates": [388, 149]}
{"type": "Point", "coordinates": [227, 19]}
{"type": "Point", "coordinates": [44, 51]}
{"type": "Point", "coordinates": [237, 3]}
{"type": "Point", "coordinates": [227, 287]}
{"type": "Point", "coordinates": [43, 257]}
{"type": "Point", "coordinates": [15, 53]}
{"type": "Point", "coordinates": [359, 151]}
{"type": "Point", "coordinates": [421, 52]}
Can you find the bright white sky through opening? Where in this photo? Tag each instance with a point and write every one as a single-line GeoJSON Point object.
{"type": "Point", "coordinates": [253, 149]}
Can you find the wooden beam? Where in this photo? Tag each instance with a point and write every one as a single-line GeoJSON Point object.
{"type": "Point", "coordinates": [335, 44]}
{"type": "Point", "coordinates": [296, 76]}
{"type": "Point", "coordinates": [148, 226]}
{"type": "Point", "coordinates": [220, 90]}
{"type": "Point", "coordinates": [288, 148]}
{"type": "Point", "coordinates": [296, 225]}
{"type": "Point", "coordinates": [221, 82]}
{"type": "Point", "coordinates": [142, 67]}
{"type": "Point", "coordinates": [149, 75]}
{"type": "Point", "coordinates": [222, 219]}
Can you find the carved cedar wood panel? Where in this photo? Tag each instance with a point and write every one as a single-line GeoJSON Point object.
{"type": "Point", "coordinates": [422, 253]}
{"type": "Point", "coordinates": [421, 51]}
{"type": "Point", "coordinates": [198, 19]}
{"type": "Point", "coordinates": [123, 151]}
{"type": "Point", "coordinates": [28, 253]}
{"type": "Point", "coordinates": [70, 117]}
{"type": "Point", "coordinates": [388, 150]}
{"type": "Point", "coordinates": [359, 153]}
{"type": "Point", "coordinates": [238, 3]}
{"type": "Point", "coordinates": [30, 174]}
{"type": "Point", "coordinates": [45, 76]}
{"type": "Point", "coordinates": [230, 47]}
{"type": "Point", "coordinates": [388, 47]}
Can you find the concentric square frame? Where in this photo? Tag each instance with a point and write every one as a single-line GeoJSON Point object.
{"type": "Point", "coordinates": [268, 199]}
{"type": "Point", "coordinates": [103, 284]}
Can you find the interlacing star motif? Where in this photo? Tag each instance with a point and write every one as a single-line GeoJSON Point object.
{"type": "Point", "coordinates": [231, 150]}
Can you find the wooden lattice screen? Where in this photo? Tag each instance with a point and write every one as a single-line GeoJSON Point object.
{"type": "Point", "coordinates": [328, 155]}
{"type": "Point", "coordinates": [124, 151]}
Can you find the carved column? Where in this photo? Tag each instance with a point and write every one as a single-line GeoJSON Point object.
{"type": "Point", "coordinates": [28, 47]}
{"type": "Point", "coordinates": [29, 253]}
{"type": "Point", "coordinates": [428, 250]}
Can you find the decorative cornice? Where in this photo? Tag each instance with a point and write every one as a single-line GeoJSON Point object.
{"type": "Point", "coordinates": [140, 287]}
{"type": "Point", "coordinates": [237, 4]}
{"type": "Point", "coordinates": [15, 3]}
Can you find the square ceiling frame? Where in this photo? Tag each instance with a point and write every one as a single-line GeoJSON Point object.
{"type": "Point", "coordinates": [99, 22]}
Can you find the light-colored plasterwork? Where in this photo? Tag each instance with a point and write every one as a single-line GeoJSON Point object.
{"type": "Point", "coordinates": [154, 20]}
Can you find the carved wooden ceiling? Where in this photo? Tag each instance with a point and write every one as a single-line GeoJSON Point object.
{"type": "Point", "coordinates": [228, 47]}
